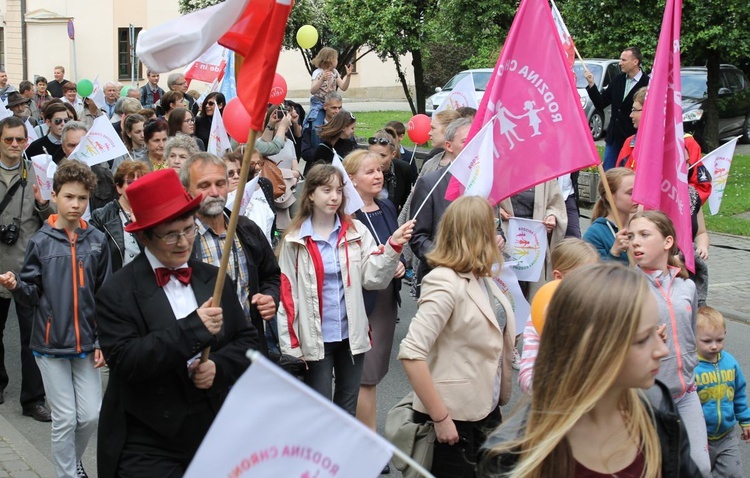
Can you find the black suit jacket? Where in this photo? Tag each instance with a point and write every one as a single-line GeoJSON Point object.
{"type": "Point", "coordinates": [620, 124]}
{"type": "Point", "coordinates": [147, 350]}
{"type": "Point", "coordinates": [422, 239]}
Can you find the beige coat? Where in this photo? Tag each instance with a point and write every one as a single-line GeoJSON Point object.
{"type": "Point", "coordinates": [455, 331]}
{"type": "Point", "coordinates": [548, 201]}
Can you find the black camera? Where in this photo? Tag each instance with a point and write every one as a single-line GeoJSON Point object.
{"type": "Point", "coordinates": [9, 233]}
{"type": "Point", "coordinates": [280, 113]}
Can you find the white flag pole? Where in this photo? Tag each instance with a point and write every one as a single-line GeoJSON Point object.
{"type": "Point", "coordinates": [419, 209]}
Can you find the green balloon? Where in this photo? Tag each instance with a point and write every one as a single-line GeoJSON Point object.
{"type": "Point", "coordinates": [124, 90]}
{"type": "Point", "coordinates": [85, 88]}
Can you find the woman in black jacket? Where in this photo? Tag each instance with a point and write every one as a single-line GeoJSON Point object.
{"type": "Point", "coordinates": [206, 116]}
{"type": "Point", "coordinates": [113, 217]}
{"type": "Point", "coordinates": [600, 348]}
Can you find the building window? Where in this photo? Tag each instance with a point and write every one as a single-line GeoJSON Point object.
{"type": "Point", "coordinates": [124, 59]}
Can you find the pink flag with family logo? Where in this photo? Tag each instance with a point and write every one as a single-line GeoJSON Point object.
{"type": "Point", "coordinates": [662, 181]}
{"type": "Point", "coordinates": [540, 129]}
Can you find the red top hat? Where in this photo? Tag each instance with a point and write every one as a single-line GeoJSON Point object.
{"type": "Point", "coordinates": [158, 197]}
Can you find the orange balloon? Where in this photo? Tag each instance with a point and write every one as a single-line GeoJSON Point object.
{"type": "Point", "coordinates": [540, 302]}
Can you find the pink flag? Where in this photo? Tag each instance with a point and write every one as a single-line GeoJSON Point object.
{"type": "Point", "coordinates": [662, 182]}
{"type": "Point", "coordinates": [540, 130]}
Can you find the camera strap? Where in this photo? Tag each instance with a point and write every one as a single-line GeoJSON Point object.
{"type": "Point", "coordinates": [10, 193]}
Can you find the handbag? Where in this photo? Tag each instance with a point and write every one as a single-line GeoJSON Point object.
{"type": "Point", "coordinates": [270, 171]}
{"type": "Point", "coordinates": [415, 439]}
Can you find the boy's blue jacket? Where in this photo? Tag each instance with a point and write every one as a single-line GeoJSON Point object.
{"type": "Point", "coordinates": [59, 278]}
{"type": "Point", "coordinates": [722, 391]}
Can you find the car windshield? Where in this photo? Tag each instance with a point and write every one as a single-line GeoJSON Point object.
{"type": "Point", "coordinates": [694, 85]}
{"type": "Point", "coordinates": [452, 82]}
{"type": "Point", "coordinates": [481, 78]}
{"type": "Point", "coordinates": [581, 82]}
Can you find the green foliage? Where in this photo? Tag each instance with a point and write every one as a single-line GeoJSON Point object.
{"type": "Point", "coordinates": [370, 121]}
{"type": "Point", "coordinates": [443, 61]}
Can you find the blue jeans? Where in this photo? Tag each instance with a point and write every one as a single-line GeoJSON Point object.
{"type": "Point", "coordinates": [338, 363]}
{"type": "Point", "coordinates": [610, 155]}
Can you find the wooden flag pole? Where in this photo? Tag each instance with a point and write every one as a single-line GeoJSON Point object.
{"type": "Point", "coordinates": [615, 214]}
{"type": "Point", "coordinates": [226, 252]}
{"type": "Point", "coordinates": [579, 57]}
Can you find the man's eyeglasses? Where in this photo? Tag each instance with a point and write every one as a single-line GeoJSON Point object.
{"type": "Point", "coordinates": [374, 140]}
{"type": "Point", "coordinates": [636, 110]}
{"type": "Point", "coordinates": [9, 140]}
{"type": "Point", "coordinates": [173, 237]}
{"type": "Point", "coordinates": [59, 121]}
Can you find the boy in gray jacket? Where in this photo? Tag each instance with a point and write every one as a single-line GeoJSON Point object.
{"type": "Point", "coordinates": [66, 263]}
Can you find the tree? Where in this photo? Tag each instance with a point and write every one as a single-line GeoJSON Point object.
{"type": "Point", "coordinates": [713, 32]}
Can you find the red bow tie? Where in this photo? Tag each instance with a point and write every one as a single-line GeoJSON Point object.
{"type": "Point", "coordinates": [182, 275]}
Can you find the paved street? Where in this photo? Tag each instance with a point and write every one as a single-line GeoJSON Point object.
{"type": "Point", "coordinates": [25, 444]}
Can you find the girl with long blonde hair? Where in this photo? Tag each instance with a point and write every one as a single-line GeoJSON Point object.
{"type": "Point", "coordinates": [588, 416]}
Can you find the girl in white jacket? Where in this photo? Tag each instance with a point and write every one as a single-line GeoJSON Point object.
{"type": "Point", "coordinates": [326, 259]}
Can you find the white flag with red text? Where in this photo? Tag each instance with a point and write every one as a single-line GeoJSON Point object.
{"type": "Point", "coordinates": [718, 163]}
{"type": "Point", "coordinates": [565, 37]}
{"type": "Point", "coordinates": [286, 430]}
{"type": "Point", "coordinates": [218, 140]}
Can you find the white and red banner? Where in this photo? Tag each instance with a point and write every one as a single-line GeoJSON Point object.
{"type": "Point", "coordinates": [527, 244]}
{"type": "Point", "coordinates": [97, 96]}
{"type": "Point", "coordinates": [474, 166]}
{"type": "Point", "coordinates": [44, 169]}
{"type": "Point", "coordinates": [540, 131]}
{"type": "Point", "coordinates": [176, 43]}
{"type": "Point", "coordinates": [662, 181]}
{"type": "Point", "coordinates": [218, 140]}
{"type": "Point", "coordinates": [718, 163]}
{"type": "Point", "coordinates": [208, 67]}
{"type": "Point", "coordinates": [565, 36]}
{"type": "Point", "coordinates": [286, 430]}
{"type": "Point", "coordinates": [460, 96]}
{"type": "Point", "coordinates": [30, 132]}
{"type": "Point", "coordinates": [100, 144]}
{"type": "Point", "coordinates": [246, 197]}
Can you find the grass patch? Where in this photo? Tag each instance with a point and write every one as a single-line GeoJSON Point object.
{"type": "Point", "coordinates": [736, 201]}
{"type": "Point", "coordinates": [370, 121]}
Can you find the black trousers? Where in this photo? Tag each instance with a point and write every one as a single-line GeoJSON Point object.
{"type": "Point", "coordinates": [32, 387]}
{"type": "Point", "coordinates": [460, 460]}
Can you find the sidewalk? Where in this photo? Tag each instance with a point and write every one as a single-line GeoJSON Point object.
{"type": "Point", "coordinates": [18, 457]}
{"type": "Point", "coordinates": [729, 281]}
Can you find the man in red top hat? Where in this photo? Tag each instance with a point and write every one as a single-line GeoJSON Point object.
{"type": "Point", "coordinates": [155, 316]}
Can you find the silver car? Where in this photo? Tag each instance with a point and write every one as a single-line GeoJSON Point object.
{"type": "Point", "coordinates": [481, 77]}
{"type": "Point", "coordinates": [604, 72]}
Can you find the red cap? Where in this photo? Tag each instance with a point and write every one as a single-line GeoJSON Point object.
{"type": "Point", "coordinates": [158, 197]}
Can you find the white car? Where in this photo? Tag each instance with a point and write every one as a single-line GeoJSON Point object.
{"type": "Point", "coordinates": [604, 72]}
{"type": "Point", "coordinates": [481, 77]}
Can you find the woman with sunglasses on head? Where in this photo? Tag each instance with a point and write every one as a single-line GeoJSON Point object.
{"type": "Point", "coordinates": [396, 174]}
{"type": "Point", "coordinates": [203, 121]}
{"type": "Point", "coordinates": [115, 215]}
{"type": "Point", "coordinates": [336, 138]}
{"type": "Point", "coordinates": [155, 137]}
{"type": "Point", "coordinates": [181, 122]}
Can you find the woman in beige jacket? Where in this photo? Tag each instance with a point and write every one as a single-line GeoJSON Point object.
{"type": "Point", "coordinates": [458, 351]}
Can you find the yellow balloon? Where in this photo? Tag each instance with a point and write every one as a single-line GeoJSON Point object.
{"type": "Point", "coordinates": [540, 302]}
{"type": "Point", "coordinates": [307, 36]}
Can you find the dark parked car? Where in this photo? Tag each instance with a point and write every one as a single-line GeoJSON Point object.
{"type": "Point", "coordinates": [733, 103]}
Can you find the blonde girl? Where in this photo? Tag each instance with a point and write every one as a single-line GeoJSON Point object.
{"type": "Point", "coordinates": [603, 233]}
{"type": "Point", "coordinates": [654, 243]}
{"type": "Point", "coordinates": [326, 259]}
{"type": "Point", "coordinates": [458, 351]}
{"type": "Point", "coordinates": [588, 414]}
{"type": "Point", "coordinates": [326, 79]}
{"type": "Point", "coordinates": [568, 254]}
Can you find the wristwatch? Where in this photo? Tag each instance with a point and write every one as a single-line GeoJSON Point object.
{"type": "Point", "coordinates": [270, 127]}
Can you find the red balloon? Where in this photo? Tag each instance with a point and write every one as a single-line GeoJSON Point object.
{"type": "Point", "coordinates": [278, 90]}
{"type": "Point", "coordinates": [236, 120]}
{"type": "Point", "coordinates": [418, 129]}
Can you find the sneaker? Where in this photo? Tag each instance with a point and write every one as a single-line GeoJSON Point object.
{"type": "Point", "coordinates": [516, 360]}
{"type": "Point", "coordinates": [80, 472]}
